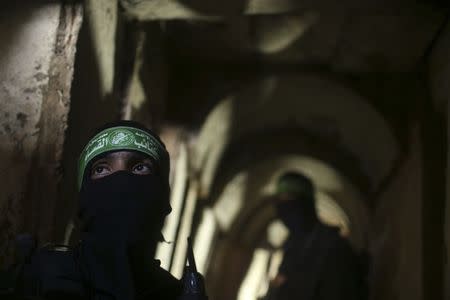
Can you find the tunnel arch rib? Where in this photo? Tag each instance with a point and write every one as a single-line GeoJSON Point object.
{"type": "Point", "coordinates": [320, 106]}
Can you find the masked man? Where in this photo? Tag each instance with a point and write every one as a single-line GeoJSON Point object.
{"type": "Point", "coordinates": [318, 264]}
{"type": "Point", "coordinates": [124, 198]}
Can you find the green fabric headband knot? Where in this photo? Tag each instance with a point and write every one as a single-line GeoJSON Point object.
{"type": "Point", "coordinates": [123, 138]}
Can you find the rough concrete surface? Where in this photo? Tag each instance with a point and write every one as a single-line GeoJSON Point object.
{"type": "Point", "coordinates": [33, 83]}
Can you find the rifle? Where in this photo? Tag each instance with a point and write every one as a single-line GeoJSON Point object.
{"type": "Point", "coordinates": [193, 282]}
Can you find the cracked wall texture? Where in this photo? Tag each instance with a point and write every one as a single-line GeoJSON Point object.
{"type": "Point", "coordinates": [35, 39]}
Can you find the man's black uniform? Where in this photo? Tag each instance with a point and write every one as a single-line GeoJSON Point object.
{"type": "Point", "coordinates": [322, 267]}
{"type": "Point", "coordinates": [60, 273]}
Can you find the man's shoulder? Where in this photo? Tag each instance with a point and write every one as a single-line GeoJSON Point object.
{"type": "Point", "coordinates": [163, 284]}
{"type": "Point", "coordinates": [337, 244]}
{"type": "Point", "coordinates": [340, 254]}
{"type": "Point", "coordinates": [166, 277]}
{"type": "Point", "coordinates": [328, 234]}
{"type": "Point", "coordinates": [55, 260]}
{"type": "Point", "coordinates": [52, 269]}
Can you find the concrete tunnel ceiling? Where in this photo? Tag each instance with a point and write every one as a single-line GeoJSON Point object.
{"type": "Point", "coordinates": [318, 106]}
{"type": "Point", "coordinates": [240, 208]}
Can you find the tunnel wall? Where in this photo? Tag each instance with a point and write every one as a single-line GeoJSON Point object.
{"type": "Point", "coordinates": [396, 242]}
{"type": "Point", "coordinates": [439, 76]}
{"type": "Point", "coordinates": [94, 99]}
{"type": "Point", "coordinates": [323, 108]}
{"type": "Point", "coordinates": [397, 224]}
{"type": "Point", "coordinates": [447, 214]}
{"type": "Point", "coordinates": [36, 59]}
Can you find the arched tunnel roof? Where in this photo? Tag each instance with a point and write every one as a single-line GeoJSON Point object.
{"type": "Point", "coordinates": [318, 106]}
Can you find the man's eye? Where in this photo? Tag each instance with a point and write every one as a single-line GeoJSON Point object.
{"type": "Point", "coordinates": [142, 168]}
{"type": "Point", "coordinates": [99, 170]}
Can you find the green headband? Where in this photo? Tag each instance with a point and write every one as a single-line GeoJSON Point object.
{"type": "Point", "coordinates": [293, 187]}
{"type": "Point", "coordinates": [122, 138]}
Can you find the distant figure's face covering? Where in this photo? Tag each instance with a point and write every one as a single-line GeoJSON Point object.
{"type": "Point", "coordinates": [295, 203]}
{"type": "Point", "coordinates": [291, 214]}
{"type": "Point", "coordinates": [297, 214]}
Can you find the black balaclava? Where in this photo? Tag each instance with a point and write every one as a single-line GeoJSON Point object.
{"type": "Point", "coordinates": [122, 214]}
{"type": "Point", "coordinates": [298, 214]}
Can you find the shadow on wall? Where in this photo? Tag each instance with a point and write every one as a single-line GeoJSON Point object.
{"type": "Point", "coordinates": [89, 110]}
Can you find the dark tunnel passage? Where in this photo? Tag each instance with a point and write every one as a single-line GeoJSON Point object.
{"type": "Point", "coordinates": [353, 96]}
